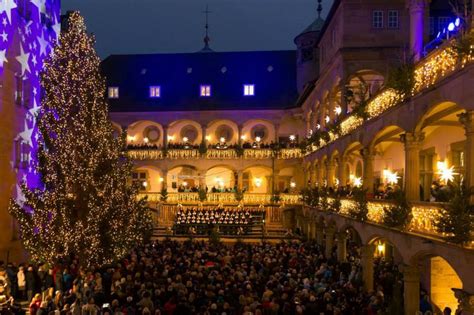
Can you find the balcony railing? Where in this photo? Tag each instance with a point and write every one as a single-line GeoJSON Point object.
{"type": "Point", "coordinates": [425, 214]}
{"type": "Point", "coordinates": [211, 154]}
{"type": "Point", "coordinates": [436, 66]}
{"type": "Point", "coordinates": [222, 198]}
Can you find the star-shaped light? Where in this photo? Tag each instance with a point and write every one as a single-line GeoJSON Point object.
{"type": "Point", "coordinates": [43, 44]}
{"type": "Point", "coordinates": [3, 57]}
{"type": "Point", "coordinates": [26, 135]}
{"type": "Point", "coordinates": [23, 60]}
{"type": "Point", "coordinates": [4, 36]}
{"type": "Point", "coordinates": [7, 6]}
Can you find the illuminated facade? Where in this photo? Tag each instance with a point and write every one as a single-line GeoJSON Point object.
{"type": "Point", "coordinates": [28, 30]}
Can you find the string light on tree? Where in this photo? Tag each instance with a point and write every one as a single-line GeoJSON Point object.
{"type": "Point", "coordinates": [87, 207]}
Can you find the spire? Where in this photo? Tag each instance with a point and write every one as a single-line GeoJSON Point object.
{"type": "Point", "coordinates": [206, 38]}
{"type": "Point", "coordinates": [320, 8]}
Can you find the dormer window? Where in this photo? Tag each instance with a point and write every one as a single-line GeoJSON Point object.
{"type": "Point", "coordinates": [155, 91]}
{"type": "Point", "coordinates": [249, 89]}
{"type": "Point", "coordinates": [113, 92]}
{"type": "Point", "coordinates": [205, 91]}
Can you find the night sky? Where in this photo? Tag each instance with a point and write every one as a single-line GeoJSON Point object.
{"type": "Point", "coordinates": [170, 26]}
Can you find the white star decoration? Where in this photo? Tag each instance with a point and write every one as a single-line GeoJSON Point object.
{"type": "Point", "coordinates": [23, 60]}
{"type": "Point", "coordinates": [57, 29]}
{"type": "Point", "coordinates": [43, 44]}
{"type": "Point", "coordinates": [7, 6]}
{"type": "Point", "coordinates": [34, 110]}
{"type": "Point", "coordinates": [20, 197]}
{"type": "Point", "coordinates": [41, 5]}
{"type": "Point", "coordinates": [4, 36]}
{"type": "Point", "coordinates": [3, 57]}
{"type": "Point", "coordinates": [26, 135]}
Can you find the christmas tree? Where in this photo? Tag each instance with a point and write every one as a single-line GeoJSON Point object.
{"type": "Point", "coordinates": [87, 206]}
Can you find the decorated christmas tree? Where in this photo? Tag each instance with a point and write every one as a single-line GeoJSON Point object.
{"type": "Point", "coordinates": [87, 206]}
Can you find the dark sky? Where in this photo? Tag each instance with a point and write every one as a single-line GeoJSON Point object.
{"type": "Point", "coordinates": [147, 26]}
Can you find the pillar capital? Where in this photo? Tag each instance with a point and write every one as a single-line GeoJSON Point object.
{"type": "Point", "coordinates": [367, 153]}
{"type": "Point", "coordinates": [412, 139]}
{"type": "Point", "coordinates": [331, 229]}
{"type": "Point", "coordinates": [465, 301]}
{"type": "Point", "coordinates": [467, 120]}
{"type": "Point", "coordinates": [411, 274]}
{"type": "Point", "coordinates": [417, 5]}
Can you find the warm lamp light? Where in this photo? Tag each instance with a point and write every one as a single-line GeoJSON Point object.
{"type": "Point", "coordinates": [145, 140]}
{"type": "Point", "coordinates": [318, 126]}
{"type": "Point", "coordinates": [208, 138]}
{"type": "Point", "coordinates": [292, 184]}
{"type": "Point", "coordinates": [170, 138]}
{"type": "Point", "coordinates": [381, 248]}
{"type": "Point", "coordinates": [258, 139]}
{"type": "Point", "coordinates": [356, 181]}
{"type": "Point", "coordinates": [258, 181]}
{"type": "Point", "coordinates": [327, 118]}
{"type": "Point", "coordinates": [161, 179]}
{"type": "Point", "coordinates": [131, 138]}
{"type": "Point", "coordinates": [185, 184]}
{"type": "Point", "coordinates": [338, 110]}
{"type": "Point", "coordinates": [391, 177]}
{"type": "Point", "coordinates": [445, 173]}
{"type": "Point", "coordinates": [222, 139]}
{"type": "Point", "coordinates": [145, 184]}
{"type": "Point", "coordinates": [185, 139]}
{"type": "Point", "coordinates": [292, 137]}
{"type": "Point", "coordinates": [243, 137]}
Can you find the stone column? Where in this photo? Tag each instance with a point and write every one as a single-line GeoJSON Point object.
{"type": "Point", "coordinates": [368, 176]}
{"type": "Point", "coordinates": [240, 180]}
{"type": "Point", "coordinates": [165, 136]}
{"type": "Point", "coordinates": [319, 234]}
{"type": "Point", "coordinates": [330, 232]}
{"type": "Point", "coordinates": [239, 134]}
{"type": "Point", "coordinates": [320, 175]}
{"type": "Point", "coordinates": [313, 229]}
{"type": "Point", "coordinates": [412, 142]}
{"type": "Point", "coordinates": [331, 172]}
{"type": "Point", "coordinates": [202, 178]}
{"type": "Point", "coordinates": [341, 247]}
{"type": "Point", "coordinates": [204, 131]}
{"type": "Point", "coordinates": [164, 183]}
{"type": "Point", "coordinates": [417, 26]}
{"type": "Point", "coordinates": [367, 253]}
{"type": "Point", "coordinates": [277, 129]}
{"type": "Point", "coordinates": [341, 171]}
{"type": "Point", "coordinates": [411, 284]}
{"type": "Point", "coordinates": [467, 119]}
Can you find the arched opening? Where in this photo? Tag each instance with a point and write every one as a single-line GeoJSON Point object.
{"type": "Point", "coordinates": [220, 179]}
{"type": "Point", "coordinates": [288, 180]}
{"type": "Point", "coordinates": [258, 129]}
{"type": "Point", "coordinates": [224, 129]}
{"type": "Point", "coordinates": [384, 250]}
{"type": "Point", "coordinates": [442, 151]}
{"type": "Point", "coordinates": [183, 178]}
{"type": "Point", "coordinates": [437, 279]}
{"type": "Point", "coordinates": [185, 132]}
{"type": "Point", "coordinates": [389, 162]}
{"type": "Point", "coordinates": [361, 86]}
{"type": "Point", "coordinates": [148, 178]}
{"type": "Point", "coordinates": [145, 132]}
{"type": "Point", "coordinates": [353, 165]}
{"type": "Point", "coordinates": [257, 179]}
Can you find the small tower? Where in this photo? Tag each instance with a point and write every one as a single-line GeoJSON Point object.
{"type": "Point", "coordinates": [307, 64]}
{"type": "Point", "coordinates": [207, 39]}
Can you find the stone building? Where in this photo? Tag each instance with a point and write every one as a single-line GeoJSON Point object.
{"type": "Point", "coordinates": [28, 30]}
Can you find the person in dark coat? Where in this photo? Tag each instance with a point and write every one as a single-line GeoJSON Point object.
{"type": "Point", "coordinates": [30, 282]}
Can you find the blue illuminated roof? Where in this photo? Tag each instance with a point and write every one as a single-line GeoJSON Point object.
{"type": "Point", "coordinates": [180, 76]}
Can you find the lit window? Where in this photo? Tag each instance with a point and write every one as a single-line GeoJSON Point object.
{"type": "Point", "coordinates": [113, 92]}
{"type": "Point", "coordinates": [377, 19]}
{"type": "Point", "coordinates": [205, 90]}
{"type": "Point", "coordinates": [155, 91]}
{"type": "Point", "coordinates": [392, 19]}
{"type": "Point", "coordinates": [249, 89]}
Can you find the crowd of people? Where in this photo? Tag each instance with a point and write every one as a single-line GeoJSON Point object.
{"type": "Point", "coordinates": [225, 221]}
{"type": "Point", "coordinates": [180, 278]}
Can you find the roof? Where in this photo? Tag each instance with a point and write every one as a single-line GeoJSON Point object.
{"type": "Point", "coordinates": [316, 26]}
{"type": "Point", "coordinates": [180, 76]}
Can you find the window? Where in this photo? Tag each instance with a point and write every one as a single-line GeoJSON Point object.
{"type": "Point", "coordinates": [140, 179]}
{"type": "Point", "coordinates": [113, 92]}
{"type": "Point", "coordinates": [205, 90]}
{"type": "Point", "coordinates": [19, 90]}
{"type": "Point", "coordinates": [432, 25]}
{"type": "Point", "coordinates": [155, 91]}
{"type": "Point", "coordinates": [377, 19]}
{"type": "Point", "coordinates": [249, 89]}
{"type": "Point", "coordinates": [443, 22]}
{"type": "Point", "coordinates": [392, 19]}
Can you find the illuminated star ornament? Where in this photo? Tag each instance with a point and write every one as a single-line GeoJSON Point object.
{"type": "Point", "coordinates": [7, 6]}
{"type": "Point", "coordinates": [23, 60]}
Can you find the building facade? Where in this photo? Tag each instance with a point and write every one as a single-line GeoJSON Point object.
{"type": "Point", "coordinates": [28, 30]}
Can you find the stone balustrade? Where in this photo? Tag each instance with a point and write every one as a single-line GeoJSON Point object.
{"type": "Point", "coordinates": [224, 198]}
{"type": "Point", "coordinates": [218, 154]}
{"type": "Point", "coordinates": [425, 214]}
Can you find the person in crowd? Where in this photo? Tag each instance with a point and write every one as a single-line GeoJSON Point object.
{"type": "Point", "coordinates": [21, 282]}
{"type": "Point", "coordinates": [35, 304]}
